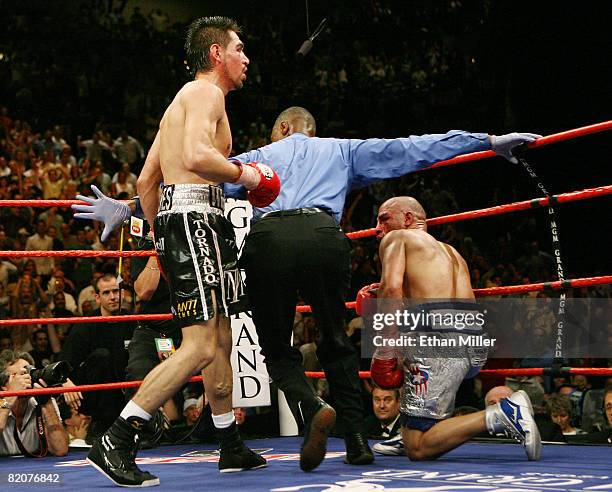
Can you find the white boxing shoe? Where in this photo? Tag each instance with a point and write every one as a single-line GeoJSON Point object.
{"type": "Point", "coordinates": [390, 447]}
{"type": "Point", "coordinates": [514, 416]}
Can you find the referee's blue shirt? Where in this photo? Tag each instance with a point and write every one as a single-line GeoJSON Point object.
{"type": "Point", "coordinates": [319, 172]}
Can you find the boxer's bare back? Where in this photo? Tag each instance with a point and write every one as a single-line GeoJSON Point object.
{"type": "Point", "coordinates": [424, 267]}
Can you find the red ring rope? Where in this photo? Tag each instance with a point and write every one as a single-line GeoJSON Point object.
{"type": "Point", "coordinates": [536, 371]}
{"type": "Point", "coordinates": [491, 291]}
{"type": "Point", "coordinates": [547, 140]}
{"type": "Point", "coordinates": [77, 253]}
{"type": "Point", "coordinates": [40, 203]}
{"type": "Point", "coordinates": [474, 214]}
{"type": "Point", "coordinates": [86, 319]}
{"type": "Point", "coordinates": [571, 196]}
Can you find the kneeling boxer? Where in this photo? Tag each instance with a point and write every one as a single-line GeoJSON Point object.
{"type": "Point", "coordinates": [417, 266]}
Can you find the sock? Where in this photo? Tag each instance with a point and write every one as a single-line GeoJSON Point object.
{"type": "Point", "coordinates": [224, 420]}
{"type": "Point", "coordinates": [134, 410]}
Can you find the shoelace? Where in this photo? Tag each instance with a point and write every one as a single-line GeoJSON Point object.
{"type": "Point", "coordinates": [513, 434]}
{"type": "Point", "coordinates": [359, 439]}
{"type": "Point", "coordinates": [131, 455]}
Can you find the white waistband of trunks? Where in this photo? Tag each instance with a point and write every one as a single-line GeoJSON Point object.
{"type": "Point", "coordinates": [188, 197]}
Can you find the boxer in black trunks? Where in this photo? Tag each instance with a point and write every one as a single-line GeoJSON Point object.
{"type": "Point", "coordinates": [196, 247]}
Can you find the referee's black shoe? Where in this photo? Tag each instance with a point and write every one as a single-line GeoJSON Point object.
{"type": "Point", "coordinates": [358, 450]}
{"type": "Point", "coordinates": [114, 454]}
{"type": "Point", "coordinates": [319, 422]}
{"type": "Point", "coordinates": [235, 456]}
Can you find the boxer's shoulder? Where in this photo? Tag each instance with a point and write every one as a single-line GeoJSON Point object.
{"type": "Point", "coordinates": [200, 87]}
{"type": "Point", "coordinates": [410, 238]}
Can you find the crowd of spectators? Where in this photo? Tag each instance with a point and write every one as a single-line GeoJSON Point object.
{"type": "Point", "coordinates": [117, 106]}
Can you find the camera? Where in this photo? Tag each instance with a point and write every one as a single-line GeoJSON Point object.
{"type": "Point", "coordinates": [53, 374]}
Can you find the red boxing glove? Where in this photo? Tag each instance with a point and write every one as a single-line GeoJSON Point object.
{"type": "Point", "coordinates": [387, 373]}
{"type": "Point", "coordinates": [261, 181]}
{"type": "Point", "coordinates": [367, 292]}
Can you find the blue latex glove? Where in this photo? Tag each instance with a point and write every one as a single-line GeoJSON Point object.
{"type": "Point", "coordinates": [504, 144]}
{"type": "Point", "coordinates": [107, 210]}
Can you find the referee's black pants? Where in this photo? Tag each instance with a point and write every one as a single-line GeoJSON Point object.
{"type": "Point", "coordinates": [309, 254]}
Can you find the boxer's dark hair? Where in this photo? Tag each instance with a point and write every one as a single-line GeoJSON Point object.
{"type": "Point", "coordinates": [202, 33]}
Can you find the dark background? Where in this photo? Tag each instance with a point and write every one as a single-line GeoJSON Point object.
{"type": "Point", "coordinates": [491, 66]}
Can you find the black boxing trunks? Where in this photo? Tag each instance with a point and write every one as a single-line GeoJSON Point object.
{"type": "Point", "coordinates": [196, 246]}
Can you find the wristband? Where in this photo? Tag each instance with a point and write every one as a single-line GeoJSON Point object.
{"type": "Point", "coordinates": [138, 208]}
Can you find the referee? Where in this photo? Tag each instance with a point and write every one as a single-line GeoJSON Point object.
{"type": "Point", "coordinates": [296, 245]}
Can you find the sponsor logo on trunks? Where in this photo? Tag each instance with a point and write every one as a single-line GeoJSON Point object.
{"type": "Point", "coordinates": [187, 308]}
{"type": "Point", "coordinates": [207, 267]}
{"type": "Point", "coordinates": [165, 199]}
{"type": "Point", "coordinates": [234, 285]}
{"type": "Point", "coordinates": [160, 245]}
{"type": "Point", "coordinates": [418, 377]}
{"type": "Point", "coordinates": [217, 199]}
{"type": "Point", "coordinates": [266, 171]}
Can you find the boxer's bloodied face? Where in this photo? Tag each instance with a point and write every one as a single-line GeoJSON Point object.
{"type": "Point", "coordinates": [235, 61]}
{"type": "Point", "coordinates": [389, 219]}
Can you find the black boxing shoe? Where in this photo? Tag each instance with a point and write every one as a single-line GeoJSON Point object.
{"type": "Point", "coordinates": [358, 450]}
{"type": "Point", "coordinates": [235, 456]}
{"type": "Point", "coordinates": [114, 454]}
{"type": "Point", "coordinates": [319, 422]}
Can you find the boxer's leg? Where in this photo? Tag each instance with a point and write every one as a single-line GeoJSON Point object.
{"type": "Point", "coordinates": [218, 383]}
{"type": "Point", "coordinates": [443, 436]}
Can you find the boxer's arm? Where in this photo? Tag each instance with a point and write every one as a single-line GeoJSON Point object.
{"type": "Point", "coordinates": [464, 288]}
{"type": "Point", "coordinates": [385, 369]}
{"type": "Point", "coordinates": [393, 258]}
{"type": "Point", "coordinates": [148, 182]}
{"type": "Point", "coordinates": [234, 190]}
{"type": "Point", "coordinates": [204, 108]}
{"type": "Point", "coordinates": [391, 290]}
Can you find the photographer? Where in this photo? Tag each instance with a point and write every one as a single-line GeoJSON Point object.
{"type": "Point", "coordinates": [21, 417]}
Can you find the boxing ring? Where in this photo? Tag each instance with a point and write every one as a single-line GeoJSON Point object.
{"type": "Point", "coordinates": [491, 465]}
{"type": "Point", "coordinates": [471, 467]}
